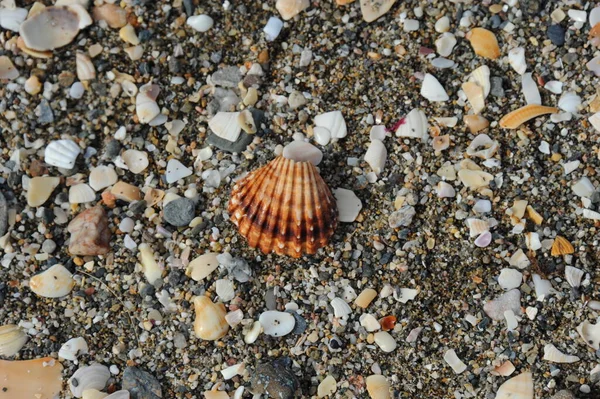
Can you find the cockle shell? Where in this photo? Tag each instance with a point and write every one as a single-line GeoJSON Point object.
{"type": "Point", "coordinates": [51, 28]}
{"type": "Point", "coordinates": [40, 378]}
{"type": "Point", "coordinates": [94, 376]}
{"type": "Point", "coordinates": [519, 387]}
{"type": "Point", "coordinates": [552, 354]}
{"type": "Point", "coordinates": [284, 207]}
{"type": "Point", "coordinates": [561, 246]}
{"type": "Point", "coordinates": [590, 333]}
{"type": "Point", "coordinates": [81, 194]}
{"type": "Point", "coordinates": [85, 67]}
{"type": "Point", "coordinates": [55, 282]}
{"type": "Point", "coordinates": [519, 116]}
{"type": "Point", "coordinates": [378, 387]}
{"type": "Point", "coordinates": [210, 323]}
{"type": "Point", "coordinates": [226, 125]}
{"type": "Point", "coordinates": [62, 153]}
{"type": "Point", "coordinates": [484, 43]}
{"type": "Point", "coordinates": [12, 339]}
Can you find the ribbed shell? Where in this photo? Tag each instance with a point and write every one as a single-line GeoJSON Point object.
{"type": "Point", "coordinates": [284, 207]}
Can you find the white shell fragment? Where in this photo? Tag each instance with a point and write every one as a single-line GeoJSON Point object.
{"type": "Point", "coordinates": [516, 59]}
{"type": "Point", "coordinates": [583, 187]}
{"type": "Point", "coordinates": [94, 376]}
{"type": "Point", "coordinates": [202, 266]}
{"type": "Point", "coordinates": [341, 309]}
{"type": "Point", "coordinates": [277, 324]}
{"type": "Point", "coordinates": [444, 190]}
{"type": "Point", "coordinates": [348, 204]}
{"type": "Point", "coordinates": [552, 354]}
{"type": "Point", "coordinates": [445, 44]}
{"type": "Point", "coordinates": [12, 18]}
{"type": "Point", "coordinates": [509, 279]}
{"type": "Point", "coordinates": [413, 125]}
{"type": "Point", "coordinates": [530, 90]}
{"type": "Point", "coordinates": [151, 268]}
{"type": "Point", "coordinates": [12, 339]}
{"type": "Point", "coordinates": [433, 90]}
{"type": "Point", "coordinates": [40, 189]}
{"type": "Point", "coordinates": [50, 28]}
{"type": "Point", "coordinates": [543, 288]}
{"type": "Point", "coordinates": [273, 28]}
{"type": "Point", "coordinates": [453, 361]}
{"type": "Point", "coordinates": [327, 387]}
{"type": "Point", "coordinates": [62, 153]}
{"type": "Point", "coordinates": [407, 294]}
{"type": "Point", "coordinates": [231, 371]}
{"type": "Point", "coordinates": [569, 102]}
{"type": "Point", "coordinates": [72, 348]}
{"type": "Point", "coordinates": [200, 23]}
{"type": "Point", "coordinates": [146, 107]}
{"type": "Point", "coordinates": [378, 386]}
{"type": "Point", "coordinates": [519, 387]}
{"type": "Point", "coordinates": [301, 151]}
{"type": "Point", "coordinates": [102, 176]}
{"type": "Point", "coordinates": [322, 135]}
{"type": "Point", "coordinates": [81, 194]}
{"type": "Point", "coordinates": [385, 341]}
{"type": "Point", "coordinates": [54, 282]}
{"type": "Point", "coordinates": [136, 161]}
{"type": "Point", "coordinates": [226, 125]}
{"type": "Point", "coordinates": [554, 86]}
{"type": "Point", "coordinates": [334, 122]}
{"type": "Point", "coordinates": [225, 290]}
{"type": "Point", "coordinates": [8, 70]}
{"type": "Point", "coordinates": [369, 322]}
{"type": "Point", "coordinates": [85, 67]}
{"type": "Point", "coordinates": [376, 156]}
{"type": "Point", "coordinates": [483, 147]}
{"type": "Point", "coordinates": [176, 171]}
{"type": "Point", "coordinates": [590, 333]}
{"type": "Point", "coordinates": [574, 276]}
{"type": "Point", "coordinates": [481, 76]}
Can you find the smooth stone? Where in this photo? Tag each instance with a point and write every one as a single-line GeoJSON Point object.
{"type": "Point", "coordinates": [385, 341]}
{"type": "Point", "coordinates": [509, 301]}
{"type": "Point", "coordinates": [141, 384]}
{"type": "Point", "coordinates": [238, 268]}
{"type": "Point", "coordinates": [556, 34]}
{"type": "Point", "coordinates": [227, 77]}
{"type": "Point", "coordinates": [3, 215]}
{"type": "Point", "coordinates": [90, 233]}
{"type": "Point", "coordinates": [301, 151]}
{"type": "Point", "coordinates": [296, 100]}
{"type": "Point", "coordinates": [348, 204]}
{"type": "Point", "coordinates": [273, 28]}
{"type": "Point", "coordinates": [40, 189]}
{"type": "Point", "coordinates": [290, 8]}
{"type": "Point", "coordinates": [402, 217]}
{"type": "Point", "coordinates": [44, 112]}
{"type": "Point", "coordinates": [200, 23]}
{"type": "Point", "coordinates": [55, 282]}
{"type": "Point", "coordinates": [564, 394]}
{"type": "Point", "coordinates": [201, 267]}
{"type": "Point", "coordinates": [322, 135]}
{"type": "Point", "coordinates": [179, 212]}
{"type": "Point", "coordinates": [301, 324]}
{"type": "Point", "coordinates": [327, 387]}
{"type": "Point", "coordinates": [210, 323]}
{"type": "Point", "coordinates": [510, 278]}
{"type": "Point", "coordinates": [277, 324]}
{"type": "Point", "coordinates": [373, 9]}
{"type": "Point", "coordinates": [275, 379]}
{"type": "Point", "coordinates": [376, 156]}
{"type": "Point", "coordinates": [176, 170]}
{"type": "Point", "coordinates": [225, 145]}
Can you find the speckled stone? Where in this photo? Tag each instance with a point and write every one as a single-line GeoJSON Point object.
{"type": "Point", "coordinates": [180, 212]}
{"type": "Point", "coordinates": [141, 384]}
{"type": "Point", "coordinates": [275, 379]}
{"type": "Point", "coordinates": [90, 234]}
{"type": "Point", "coordinates": [564, 394]}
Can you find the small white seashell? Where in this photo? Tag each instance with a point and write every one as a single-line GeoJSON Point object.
{"type": "Point", "coordinates": [447, 121]}
{"type": "Point", "coordinates": [489, 147]}
{"type": "Point", "coordinates": [102, 176]}
{"type": "Point", "coordinates": [54, 282]}
{"type": "Point", "coordinates": [322, 135]}
{"type": "Point", "coordinates": [301, 151]}
{"type": "Point", "coordinates": [231, 371]}
{"type": "Point", "coordinates": [477, 226]}
{"type": "Point", "coordinates": [531, 312]}
{"type": "Point", "coordinates": [12, 18]}
{"type": "Point", "coordinates": [594, 65]}
{"type": "Point", "coordinates": [61, 153]}
{"type": "Point", "coordinates": [85, 67]}
{"type": "Point", "coordinates": [12, 339]}
{"type": "Point", "coordinates": [348, 204]}
{"type": "Point", "coordinates": [378, 387]}
{"type": "Point", "coordinates": [590, 333]}
{"type": "Point", "coordinates": [445, 44]}
{"type": "Point", "coordinates": [482, 206]}
{"type": "Point", "coordinates": [407, 294]}
{"type": "Point", "coordinates": [453, 361]}
{"type": "Point", "coordinates": [376, 156]}
{"type": "Point", "coordinates": [136, 161]}
{"type": "Point", "coordinates": [519, 387]}
{"type": "Point", "coordinates": [530, 90]}
{"type": "Point", "coordinates": [413, 125]}
{"type": "Point", "coordinates": [516, 59]}
{"type": "Point", "coordinates": [50, 28]}
{"type": "Point", "coordinates": [445, 190]}
{"type": "Point", "coordinates": [385, 341]}
{"type": "Point", "coordinates": [554, 86]}
{"type": "Point", "coordinates": [234, 317]}
{"type": "Point", "coordinates": [327, 387]}
{"type": "Point", "coordinates": [202, 266]}
{"type": "Point", "coordinates": [532, 240]}
{"type": "Point", "coordinates": [574, 276]}
{"type": "Point", "coordinates": [481, 76]}
{"type": "Point", "coordinates": [277, 324]}
{"type": "Point", "coordinates": [8, 70]}
{"type": "Point", "coordinates": [200, 23]}
{"type": "Point", "coordinates": [273, 28]}
{"type": "Point", "coordinates": [442, 24]}
{"type": "Point", "coordinates": [442, 63]}
{"type": "Point", "coordinates": [583, 188]}
{"type": "Point", "coordinates": [146, 107]}
{"type": "Point", "coordinates": [474, 178]}
{"type": "Point", "coordinates": [226, 125]}
{"type": "Point", "coordinates": [340, 308]}
{"type": "Point", "coordinates": [225, 289]}
{"type": "Point", "coordinates": [589, 214]}
{"type": "Point", "coordinates": [369, 322]}
{"type": "Point", "coordinates": [483, 240]}
{"type": "Point", "coordinates": [176, 171]}
{"type": "Point", "coordinates": [252, 334]}
{"type": "Point", "coordinates": [543, 288]}
{"type": "Point", "coordinates": [81, 194]}
{"type": "Point", "coordinates": [511, 320]}
{"type": "Point", "coordinates": [94, 376]}
{"type": "Point", "coordinates": [509, 279]}
{"type": "Point", "coordinates": [378, 132]}
{"type": "Point", "coordinates": [552, 354]}
{"type": "Point", "coordinates": [84, 17]}
{"type": "Point", "coordinates": [561, 117]}
{"type": "Point", "coordinates": [577, 15]}
{"type": "Point", "coordinates": [569, 102]}
{"type": "Point", "coordinates": [334, 122]}
{"type": "Point", "coordinates": [152, 270]}
{"type": "Point", "coordinates": [433, 90]}
{"type": "Point", "coordinates": [475, 96]}
{"type": "Point", "coordinates": [72, 348]}
{"type": "Point", "coordinates": [519, 259]}
{"type": "Point", "coordinates": [129, 88]}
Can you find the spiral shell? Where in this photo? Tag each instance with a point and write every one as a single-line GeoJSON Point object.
{"type": "Point", "coordinates": [284, 207]}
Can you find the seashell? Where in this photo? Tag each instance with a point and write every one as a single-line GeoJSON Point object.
{"type": "Point", "coordinates": [85, 67]}
{"type": "Point", "coordinates": [590, 333]}
{"type": "Point", "coordinates": [561, 246]}
{"type": "Point", "coordinates": [475, 96]}
{"type": "Point", "coordinates": [489, 147]}
{"type": "Point", "coordinates": [483, 240]}
{"type": "Point", "coordinates": [505, 369]}
{"type": "Point", "coordinates": [273, 28]}
{"type": "Point", "coordinates": [453, 361]}
{"type": "Point", "coordinates": [440, 143]}
{"type": "Point", "coordinates": [301, 151]}
{"type": "Point", "coordinates": [474, 179]}
{"type": "Point", "coordinates": [519, 387]}
{"type": "Point", "coordinates": [583, 188]}
{"type": "Point", "coordinates": [200, 23]}
{"type": "Point", "coordinates": [115, 16]}
{"type": "Point", "coordinates": [413, 125]}
{"type": "Point", "coordinates": [534, 215]}
{"type": "Point", "coordinates": [225, 289]}
{"type": "Point", "coordinates": [284, 207]}
{"type": "Point", "coordinates": [84, 17]}
{"type": "Point", "coordinates": [153, 196]}
{"type": "Point", "coordinates": [376, 156]}
{"type": "Point", "coordinates": [364, 299]}
{"type": "Point", "coordinates": [373, 9]}
{"type": "Point", "coordinates": [321, 135]}
{"type": "Point", "coordinates": [447, 121]}
{"type": "Point", "coordinates": [519, 259]}
{"type": "Point", "coordinates": [510, 300]}
{"type": "Point", "coordinates": [348, 205]}
{"type": "Point", "coordinates": [54, 282]}
{"type": "Point", "coordinates": [340, 308]}
{"type": "Point", "coordinates": [554, 86]}
{"type": "Point", "coordinates": [385, 341]}
{"type": "Point", "coordinates": [369, 322]}
{"type": "Point", "coordinates": [102, 176]}
{"type": "Point", "coordinates": [594, 17]}
{"type": "Point", "coordinates": [378, 386]}
{"type": "Point", "coordinates": [234, 317]}
{"type": "Point", "coordinates": [475, 123]}
{"type": "Point", "coordinates": [519, 116]}
{"type": "Point", "coordinates": [176, 171]}
{"type": "Point", "coordinates": [210, 323]}
{"type": "Point", "coordinates": [277, 324]}
{"type": "Point", "coordinates": [231, 371]}
{"type": "Point", "coordinates": [128, 35]}
{"type": "Point", "coordinates": [552, 354]}
{"type": "Point", "coordinates": [574, 276]}
{"type": "Point", "coordinates": [482, 206]}
{"type": "Point", "coordinates": [136, 161]}
{"type": "Point", "coordinates": [34, 53]}
{"type": "Point", "coordinates": [126, 192]}
{"type": "Point", "coordinates": [152, 270]}
{"type": "Point", "coordinates": [226, 125]}
{"type": "Point", "coordinates": [530, 90]}
{"type": "Point", "coordinates": [433, 90]}
{"type": "Point", "coordinates": [484, 43]}
{"type": "Point", "coordinates": [12, 339]}
{"type": "Point", "coordinates": [532, 240]}
{"type": "Point", "coordinates": [202, 266]}
{"type": "Point", "coordinates": [246, 121]}
{"type": "Point", "coordinates": [445, 44]}
{"type": "Point", "coordinates": [72, 348]}
{"type": "Point", "coordinates": [334, 122]}
{"type": "Point", "coordinates": [403, 295]}
{"type": "Point", "coordinates": [12, 18]}
{"type": "Point", "coordinates": [481, 76]}
{"type": "Point", "coordinates": [290, 8]}
{"type": "Point", "coordinates": [7, 68]}
{"type": "Point", "coordinates": [445, 190]}
{"type": "Point", "coordinates": [327, 387]}
{"type": "Point", "coordinates": [81, 194]}
{"type": "Point", "coordinates": [40, 189]}
{"type": "Point", "coordinates": [509, 279]}
{"type": "Point", "coordinates": [543, 288]}
{"type": "Point", "coordinates": [569, 102]}
{"type": "Point", "coordinates": [40, 378]}
{"type": "Point", "coordinates": [388, 323]}
{"type": "Point", "coordinates": [516, 59]}
{"type": "Point", "coordinates": [251, 335]}
{"type": "Point", "coordinates": [62, 153]}
{"type": "Point", "coordinates": [51, 28]}
{"type": "Point", "coordinates": [146, 107]}
{"type": "Point", "coordinates": [94, 376]}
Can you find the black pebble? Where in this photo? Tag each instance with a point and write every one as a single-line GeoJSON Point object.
{"type": "Point", "coordinates": [556, 34]}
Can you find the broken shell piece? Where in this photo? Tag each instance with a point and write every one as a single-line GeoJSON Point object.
{"type": "Point", "coordinates": [569, 102]}
{"type": "Point", "coordinates": [543, 288]}
{"type": "Point", "coordinates": [440, 143]}
{"type": "Point", "coordinates": [519, 387]}
{"type": "Point", "coordinates": [532, 240]}
{"type": "Point", "coordinates": [590, 334]}
{"type": "Point", "coordinates": [94, 376]}
{"type": "Point", "coordinates": [484, 43]}
{"type": "Point", "coordinates": [516, 59]}
{"type": "Point", "coordinates": [81, 194]}
{"type": "Point", "coordinates": [176, 171]}
{"type": "Point", "coordinates": [505, 369]}
{"type": "Point", "coordinates": [348, 205]}
{"type": "Point", "coordinates": [530, 90]}
{"type": "Point", "coordinates": [231, 371]}
{"type": "Point", "coordinates": [251, 335]}
{"type": "Point", "coordinates": [519, 116]}
{"type": "Point", "coordinates": [39, 378]}
{"type": "Point", "coordinates": [365, 298]}
{"type": "Point", "coordinates": [489, 147]}
{"type": "Point", "coordinates": [246, 121]}
{"type": "Point", "coordinates": [277, 324]}
{"type": "Point", "coordinates": [378, 386]}
{"type": "Point", "coordinates": [301, 151]}
{"type": "Point", "coordinates": [327, 387]}
{"type": "Point", "coordinates": [475, 95]}
{"type": "Point", "coordinates": [40, 189]}
{"type": "Point", "coordinates": [146, 107]}
{"type": "Point", "coordinates": [433, 90]}
{"type": "Point", "coordinates": [334, 122]}
{"type": "Point", "coordinates": [128, 35]}
{"type": "Point", "coordinates": [445, 190]}
{"type": "Point", "coordinates": [7, 69]}
{"type": "Point", "coordinates": [225, 289]}
{"type": "Point", "coordinates": [210, 323]}
{"type": "Point", "coordinates": [61, 153]}
{"type": "Point", "coordinates": [534, 215]}
{"type": "Point", "coordinates": [369, 322]}
{"type": "Point", "coordinates": [509, 279]}
{"type": "Point", "coordinates": [102, 176]}
{"type": "Point", "coordinates": [561, 246]}
{"type": "Point", "coordinates": [385, 341]}
{"type": "Point", "coordinates": [445, 44]}
{"type": "Point", "coordinates": [376, 156]}
{"type": "Point", "coordinates": [519, 259]}
{"type": "Point", "coordinates": [483, 240]}
{"type": "Point", "coordinates": [475, 123]}
{"type": "Point", "coordinates": [474, 179]}
{"type": "Point", "coordinates": [12, 339]}
{"type": "Point", "coordinates": [84, 17]}
{"type": "Point", "coordinates": [151, 268]}
{"type": "Point", "coordinates": [34, 53]}
{"type": "Point", "coordinates": [126, 192]}
{"type": "Point", "coordinates": [340, 308]}
{"type": "Point", "coordinates": [55, 282]}
{"type": "Point", "coordinates": [574, 276]}
{"type": "Point", "coordinates": [12, 18]}
{"type": "Point", "coordinates": [72, 348]}
{"type": "Point", "coordinates": [453, 361]}
{"type": "Point", "coordinates": [85, 67]}
{"type": "Point", "coordinates": [552, 354]}
{"type": "Point", "coordinates": [136, 161]}
{"type": "Point", "coordinates": [413, 125]}
{"type": "Point", "coordinates": [51, 28]}
{"type": "Point", "coordinates": [290, 8]}
{"type": "Point", "coordinates": [115, 16]}
{"type": "Point", "coordinates": [202, 266]}
{"type": "Point", "coordinates": [226, 125]}
{"type": "Point", "coordinates": [481, 76]}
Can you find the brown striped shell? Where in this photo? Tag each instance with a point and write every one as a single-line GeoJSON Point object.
{"type": "Point", "coordinates": [284, 207]}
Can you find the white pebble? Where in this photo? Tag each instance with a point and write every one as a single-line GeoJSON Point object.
{"type": "Point", "coordinates": [322, 135]}
{"type": "Point", "coordinates": [76, 90]}
{"type": "Point", "coordinates": [273, 28]}
{"type": "Point", "coordinates": [200, 23]}
{"type": "Point", "coordinates": [385, 341]}
{"type": "Point", "coordinates": [127, 225]}
{"type": "Point", "coordinates": [442, 25]}
{"type": "Point", "coordinates": [411, 25]}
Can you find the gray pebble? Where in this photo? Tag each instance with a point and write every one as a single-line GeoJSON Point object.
{"type": "Point", "coordinates": [275, 379]}
{"type": "Point", "coordinates": [48, 246]}
{"type": "Point", "coordinates": [3, 215]}
{"type": "Point", "coordinates": [227, 77]}
{"type": "Point", "coordinates": [496, 87]}
{"type": "Point", "coordinates": [225, 145]}
{"type": "Point", "coordinates": [564, 394]}
{"type": "Point", "coordinates": [180, 212]}
{"type": "Point", "coordinates": [44, 112]}
{"type": "Point", "coordinates": [402, 217]}
{"type": "Point", "coordinates": [140, 384]}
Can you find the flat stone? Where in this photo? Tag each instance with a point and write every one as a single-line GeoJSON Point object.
{"type": "Point", "coordinates": [556, 34]}
{"type": "Point", "coordinates": [179, 212]}
{"type": "Point", "coordinates": [275, 379]}
{"type": "Point", "coordinates": [238, 146]}
{"type": "Point", "coordinates": [496, 87]}
{"type": "Point", "coordinates": [44, 112]}
{"type": "Point", "coordinates": [90, 234]}
{"type": "Point", "coordinates": [402, 217]}
{"type": "Point", "coordinates": [227, 77]}
{"type": "Point", "coordinates": [141, 384]}
{"type": "Point", "coordinates": [3, 215]}
{"type": "Point", "coordinates": [564, 394]}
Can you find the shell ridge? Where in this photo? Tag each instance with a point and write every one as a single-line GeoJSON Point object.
{"type": "Point", "coordinates": [257, 207]}
{"type": "Point", "coordinates": [266, 213]}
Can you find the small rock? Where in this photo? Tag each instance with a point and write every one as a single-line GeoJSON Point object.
{"type": "Point", "coordinates": [222, 144]}
{"type": "Point", "coordinates": [275, 379]}
{"type": "Point", "coordinates": [300, 325]}
{"type": "Point", "coordinates": [402, 217]}
{"type": "Point", "coordinates": [510, 301]}
{"type": "Point", "coordinates": [296, 100]}
{"type": "Point", "coordinates": [496, 89]}
{"type": "Point", "coordinates": [90, 234]}
{"type": "Point", "coordinates": [3, 215]}
{"type": "Point", "coordinates": [227, 77]}
{"type": "Point", "coordinates": [179, 212]}
{"type": "Point", "coordinates": [556, 34]}
{"type": "Point", "coordinates": [200, 23]}
{"type": "Point", "coordinates": [140, 384]}
{"type": "Point", "coordinates": [44, 112]}
{"type": "Point", "coordinates": [564, 394]}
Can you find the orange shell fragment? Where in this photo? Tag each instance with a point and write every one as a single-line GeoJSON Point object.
{"type": "Point", "coordinates": [38, 378]}
{"type": "Point", "coordinates": [561, 246]}
{"type": "Point", "coordinates": [519, 116]}
{"type": "Point", "coordinates": [484, 43]}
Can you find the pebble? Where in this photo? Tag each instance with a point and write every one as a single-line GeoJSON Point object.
{"type": "Point", "coordinates": [48, 246]}
{"type": "Point", "coordinates": [275, 379]}
{"type": "Point", "coordinates": [385, 341]}
{"type": "Point", "coordinates": [273, 28]}
{"type": "Point", "coordinates": [179, 212]}
{"type": "Point", "coordinates": [200, 23]}
{"type": "Point", "coordinates": [296, 100]}
{"type": "Point", "coordinates": [277, 324]}
{"type": "Point", "coordinates": [556, 34]}
{"type": "Point", "coordinates": [510, 301]}
{"type": "Point", "coordinates": [227, 77]}
{"type": "Point", "coordinates": [301, 324]}
{"type": "Point", "coordinates": [90, 233]}
{"type": "Point", "coordinates": [3, 215]}
{"type": "Point", "coordinates": [141, 384]}
{"type": "Point", "coordinates": [402, 217]}
{"type": "Point", "coordinates": [44, 112]}
{"type": "Point", "coordinates": [348, 204]}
